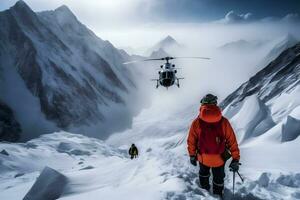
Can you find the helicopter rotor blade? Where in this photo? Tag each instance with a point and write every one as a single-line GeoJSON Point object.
{"type": "Point", "coordinates": [203, 58]}
{"type": "Point", "coordinates": [130, 62]}
{"type": "Point", "coordinates": [135, 61]}
{"type": "Point", "coordinates": [154, 59]}
{"type": "Point", "coordinates": [164, 58]}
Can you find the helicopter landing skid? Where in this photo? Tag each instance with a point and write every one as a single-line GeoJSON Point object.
{"type": "Point", "coordinates": [178, 85]}
{"type": "Point", "coordinates": [157, 82]}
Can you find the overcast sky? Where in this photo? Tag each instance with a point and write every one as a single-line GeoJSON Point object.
{"type": "Point", "coordinates": [117, 20]}
{"type": "Point", "coordinates": [125, 11]}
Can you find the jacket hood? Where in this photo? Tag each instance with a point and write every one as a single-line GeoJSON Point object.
{"type": "Point", "coordinates": [210, 113]}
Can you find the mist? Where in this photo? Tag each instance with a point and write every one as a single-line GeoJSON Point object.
{"type": "Point", "coordinates": [139, 25]}
{"type": "Point", "coordinates": [128, 25]}
{"type": "Point", "coordinates": [222, 74]}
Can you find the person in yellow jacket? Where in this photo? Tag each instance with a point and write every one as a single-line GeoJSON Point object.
{"type": "Point", "coordinates": [209, 137]}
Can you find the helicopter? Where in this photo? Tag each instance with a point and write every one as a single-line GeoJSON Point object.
{"type": "Point", "coordinates": [167, 72]}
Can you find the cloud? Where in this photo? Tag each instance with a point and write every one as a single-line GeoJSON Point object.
{"type": "Point", "coordinates": [233, 17]}
{"type": "Point", "coordinates": [291, 18]}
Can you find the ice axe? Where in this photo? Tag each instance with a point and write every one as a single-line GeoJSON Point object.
{"type": "Point", "coordinates": [233, 179]}
{"type": "Point", "coordinates": [233, 184]}
{"type": "Point", "coordinates": [242, 179]}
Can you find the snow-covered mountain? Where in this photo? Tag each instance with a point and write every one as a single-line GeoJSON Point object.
{"type": "Point", "coordinates": [268, 104]}
{"type": "Point", "coordinates": [280, 45]}
{"type": "Point", "coordinates": [168, 45]}
{"type": "Point", "coordinates": [242, 45]}
{"type": "Point", "coordinates": [159, 53]}
{"type": "Point", "coordinates": [55, 73]}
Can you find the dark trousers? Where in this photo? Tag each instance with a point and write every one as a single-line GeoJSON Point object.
{"type": "Point", "coordinates": [218, 178]}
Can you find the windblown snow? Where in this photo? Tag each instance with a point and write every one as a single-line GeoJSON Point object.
{"type": "Point", "coordinates": [267, 129]}
{"type": "Point", "coordinates": [96, 169]}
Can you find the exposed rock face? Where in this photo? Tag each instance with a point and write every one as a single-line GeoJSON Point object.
{"type": "Point", "coordinates": [290, 130]}
{"type": "Point", "coordinates": [4, 152]}
{"type": "Point", "coordinates": [9, 128]}
{"type": "Point", "coordinates": [49, 186]}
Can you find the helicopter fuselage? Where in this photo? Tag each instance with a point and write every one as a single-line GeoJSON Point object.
{"type": "Point", "coordinates": [167, 75]}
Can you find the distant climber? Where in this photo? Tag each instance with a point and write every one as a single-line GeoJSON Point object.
{"type": "Point", "coordinates": [133, 151]}
{"type": "Point", "coordinates": [211, 140]}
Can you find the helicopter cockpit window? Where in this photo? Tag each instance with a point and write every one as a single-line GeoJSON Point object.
{"type": "Point", "coordinates": [164, 74]}
{"type": "Point", "coordinates": [169, 75]}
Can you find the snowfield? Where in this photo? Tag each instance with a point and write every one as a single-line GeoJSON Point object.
{"type": "Point", "coordinates": [97, 169]}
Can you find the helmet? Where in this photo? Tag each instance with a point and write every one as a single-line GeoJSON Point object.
{"type": "Point", "coordinates": [209, 99]}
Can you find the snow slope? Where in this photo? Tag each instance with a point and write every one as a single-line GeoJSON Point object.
{"type": "Point", "coordinates": [266, 121]}
{"type": "Point", "coordinates": [96, 170]}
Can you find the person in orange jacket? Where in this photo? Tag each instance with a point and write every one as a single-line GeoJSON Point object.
{"type": "Point", "coordinates": [210, 137]}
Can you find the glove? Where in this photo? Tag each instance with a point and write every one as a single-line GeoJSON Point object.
{"type": "Point", "coordinates": [234, 165]}
{"type": "Point", "coordinates": [193, 160]}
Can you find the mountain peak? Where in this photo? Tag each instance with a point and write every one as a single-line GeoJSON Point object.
{"type": "Point", "coordinates": [21, 5]}
{"type": "Point", "coordinates": [168, 39]}
{"type": "Point", "coordinates": [167, 42]}
{"type": "Point", "coordinates": [65, 15]}
{"type": "Point", "coordinates": [64, 9]}
{"type": "Point", "coordinates": [23, 12]}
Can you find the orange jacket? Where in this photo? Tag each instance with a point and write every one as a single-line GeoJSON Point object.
{"type": "Point", "coordinates": [211, 114]}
